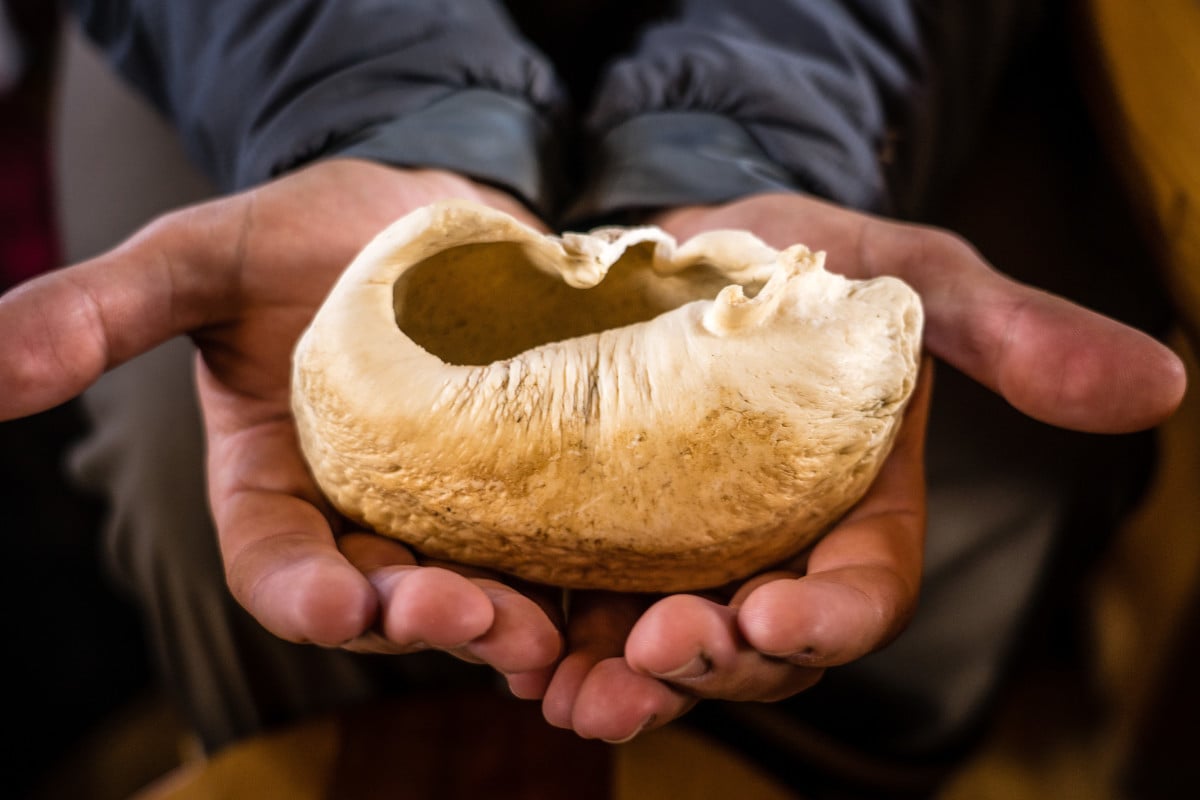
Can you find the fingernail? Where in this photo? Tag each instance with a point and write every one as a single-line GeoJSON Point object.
{"type": "Point", "coordinates": [692, 669]}
{"type": "Point", "coordinates": [645, 724]}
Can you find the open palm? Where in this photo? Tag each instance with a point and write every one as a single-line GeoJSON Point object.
{"type": "Point", "coordinates": [636, 663]}
{"type": "Point", "coordinates": [243, 276]}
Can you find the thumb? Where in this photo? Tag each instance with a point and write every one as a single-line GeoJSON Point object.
{"type": "Point", "coordinates": [1052, 359]}
{"type": "Point", "coordinates": [62, 330]}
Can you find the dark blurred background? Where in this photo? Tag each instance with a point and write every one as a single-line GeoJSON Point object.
{"type": "Point", "coordinates": [74, 651]}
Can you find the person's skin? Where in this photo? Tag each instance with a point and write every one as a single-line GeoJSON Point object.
{"type": "Point", "coordinates": [243, 275]}
{"type": "Point", "coordinates": [629, 668]}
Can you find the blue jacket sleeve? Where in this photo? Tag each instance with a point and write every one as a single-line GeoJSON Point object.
{"type": "Point", "coordinates": [731, 97]}
{"type": "Point", "coordinates": [257, 87]}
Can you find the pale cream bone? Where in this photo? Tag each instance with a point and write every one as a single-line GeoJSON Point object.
{"type": "Point", "coordinates": [605, 410]}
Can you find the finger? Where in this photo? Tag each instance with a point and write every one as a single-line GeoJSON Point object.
{"type": "Point", "coordinates": [522, 640]}
{"type": "Point", "coordinates": [429, 607]}
{"type": "Point", "coordinates": [281, 561]}
{"type": "Point", "coordinates": [1053, 360]}
{"type": "Point", "coordinates": [63, 329]}
{"type": "Point", "coordinates": [536, 647]}
{"type": "Point", "coordinates": [828, 619]}
{"type": "Point", "coordinates": [530, 685]}
{"type": "Point", "coordinates": [863, 578]}
{"type": "Point", "coordinates": [596, 629]}
{"type": "Point", "coordinates": [696, 645]}
{"type": "Point", "coordinates": [420, 607]}
{"type": "Point", "coordinates": [283, 566]}
{"type": "Point", "coordinates": [593, 691]}
{"type": "Point", "coordinates": [615, 704]}
{"type": "Point", "coordinates": [548, 598]}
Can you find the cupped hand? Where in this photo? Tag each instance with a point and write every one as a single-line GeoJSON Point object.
{"type": "Point", "coordinates": [634, 663]}
{"type": "Point", "coordinates": [243, 276]}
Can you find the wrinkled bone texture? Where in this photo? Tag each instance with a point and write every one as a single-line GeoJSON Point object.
{"type": "Point", "coordinates": [605, 410]}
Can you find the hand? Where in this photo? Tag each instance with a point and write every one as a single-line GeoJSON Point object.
{"type": "Point", "coordinates": [243, 276]}
{"type": "Point", "coordinates": [630, 668]}
{"type": "Point", "coordinates": [1051, 359]}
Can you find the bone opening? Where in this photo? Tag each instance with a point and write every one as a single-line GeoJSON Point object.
{"type": "Point", "coordinates": [480, 303]}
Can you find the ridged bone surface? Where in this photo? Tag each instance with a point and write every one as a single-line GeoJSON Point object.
{"type": "Point", "coordinates": [606, 410]}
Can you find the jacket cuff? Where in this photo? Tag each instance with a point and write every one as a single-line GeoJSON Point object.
{"type": "Point", "coordinates": [675, 158]}
{"type": "Point", "coordinates": [485, 135]}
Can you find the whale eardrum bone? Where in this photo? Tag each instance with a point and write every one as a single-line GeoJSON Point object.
{"type": "Point", "coordinates": [608, 410]}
